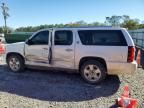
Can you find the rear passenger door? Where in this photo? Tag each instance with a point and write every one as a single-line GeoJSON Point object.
{"type": "Point", "coordinates": [63, 49]}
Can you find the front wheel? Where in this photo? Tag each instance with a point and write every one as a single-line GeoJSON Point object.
{"type": "Point", "coordinates": [93, 72]}
{"type": "Point", "coordinates": [16, 63]}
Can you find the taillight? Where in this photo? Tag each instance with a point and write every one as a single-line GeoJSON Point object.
{"type": "Point", "coordinates": [131, 54]}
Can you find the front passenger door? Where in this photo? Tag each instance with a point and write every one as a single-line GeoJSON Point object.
{"type": "Point", "coordinates": [37, 49]}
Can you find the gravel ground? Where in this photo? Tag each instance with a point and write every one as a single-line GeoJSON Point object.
{"type": "Point", "coordinates": [47, 89]}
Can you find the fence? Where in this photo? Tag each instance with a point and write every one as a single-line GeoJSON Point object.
{"type": "Point", "coordinates": [138, 37]}
{"type": "Point", "coordinates": [17, 37]}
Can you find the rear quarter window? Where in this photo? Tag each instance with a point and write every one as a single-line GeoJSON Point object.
{"type": "Point", "coordinates": [102, 37]}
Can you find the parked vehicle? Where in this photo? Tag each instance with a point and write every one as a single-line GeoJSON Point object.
{"type": "Point", "coordinates": [94, 52]}
{"type": "Point", "coordinates": [2, 39]}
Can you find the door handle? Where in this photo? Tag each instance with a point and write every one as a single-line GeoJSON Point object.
{"type": "Point", "coordinates": [45, 48]}
{"type": "Point", "coordinates": [68, 50]}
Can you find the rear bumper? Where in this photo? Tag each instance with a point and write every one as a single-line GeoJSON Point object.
{"type": "Point", "coordinates": [121, 68]}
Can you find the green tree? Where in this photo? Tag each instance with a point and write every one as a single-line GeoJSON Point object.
{"type": "Point", "coordinates": [96, 24]}
{"type": "Point", "coordinates": [130, 24]}
{"type": "Point", "coordinates": [123, 21]}
{"type": "Point", "coordinates": [125, 18]}
{"type": "Point", "coordinates": [113, 20]}
{"type": "Point", "coordinates": [141, 26]}
{"type": "Point", "coordinates": [9, 29]}
{"type": "Point", "coordinates": [1, 29]}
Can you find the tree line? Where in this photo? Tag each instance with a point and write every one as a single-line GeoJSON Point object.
{"type": "Point", "coordinates": [116, 21]}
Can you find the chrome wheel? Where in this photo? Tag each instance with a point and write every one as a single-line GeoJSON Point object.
{"type": "Point", "coordinates": [92, 73]}
{"type": "Point", "coordinates": [14, 64]}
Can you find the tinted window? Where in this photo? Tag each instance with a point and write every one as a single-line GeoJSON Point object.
{"type": "Point", "coordinates": [102, 37]}
{"type": "Point", "coordinates": [41, 38]}
{"type": "Point", "coordinates": [63, 37]}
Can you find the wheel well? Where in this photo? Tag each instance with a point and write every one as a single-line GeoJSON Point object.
{"type": "Point", "coordinates": [101, 60]}
{"type": "Point", "coordinates": [13, 53]}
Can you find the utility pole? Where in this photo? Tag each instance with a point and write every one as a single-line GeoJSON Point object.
{"type": "Point", "coordinates": [5, 10]}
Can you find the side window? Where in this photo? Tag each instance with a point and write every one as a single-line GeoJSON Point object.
{"type": "Point", "coordinates": [63, 37]}
{"type": "Point", "coordinates": [40, 38]}
{"type": "Point", "coordinates": [102, 37]}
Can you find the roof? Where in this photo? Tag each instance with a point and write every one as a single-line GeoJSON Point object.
{"type": "Point", "coordinates": [86, 28]}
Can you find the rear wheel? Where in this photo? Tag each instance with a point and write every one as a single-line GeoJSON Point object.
{"type": "Point", "coordinates": [16, 63]}
{"type": "Point", "coordinates": [93, 71]}
{"type": "Point", "coordinates": [142, 66]}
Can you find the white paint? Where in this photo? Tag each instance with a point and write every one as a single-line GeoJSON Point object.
{"type": "Point", "coordinates": [115, 56]}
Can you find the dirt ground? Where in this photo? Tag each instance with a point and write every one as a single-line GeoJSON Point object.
{"type": "Point", "coordinates": [50, 89]}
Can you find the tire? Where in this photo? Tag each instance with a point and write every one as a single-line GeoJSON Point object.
{"type": "Point", "coordinates": [93, 71]}
{"type": "Point", "coordinates": [143, 67]}
{"type": "Point", "coordinates": [16, 63]}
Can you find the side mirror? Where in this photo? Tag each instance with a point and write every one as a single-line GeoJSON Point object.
{"type": "Point", "coordinates": [28, 42]}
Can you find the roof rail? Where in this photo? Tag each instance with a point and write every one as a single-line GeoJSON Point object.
{"type": "Point", "coordinates": [87, 27]}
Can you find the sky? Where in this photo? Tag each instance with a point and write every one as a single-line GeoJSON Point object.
{"type": "Point", "coordinates": [38, 12]}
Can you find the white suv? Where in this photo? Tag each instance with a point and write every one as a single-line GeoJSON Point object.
{"type": "Point", "coordinates": [94, 52]}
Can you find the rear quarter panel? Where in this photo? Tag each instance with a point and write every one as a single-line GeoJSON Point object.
{"type": "Point", "coordinates": [108, 53]}
{"type": "Point", "coordinates": [111, 54]}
